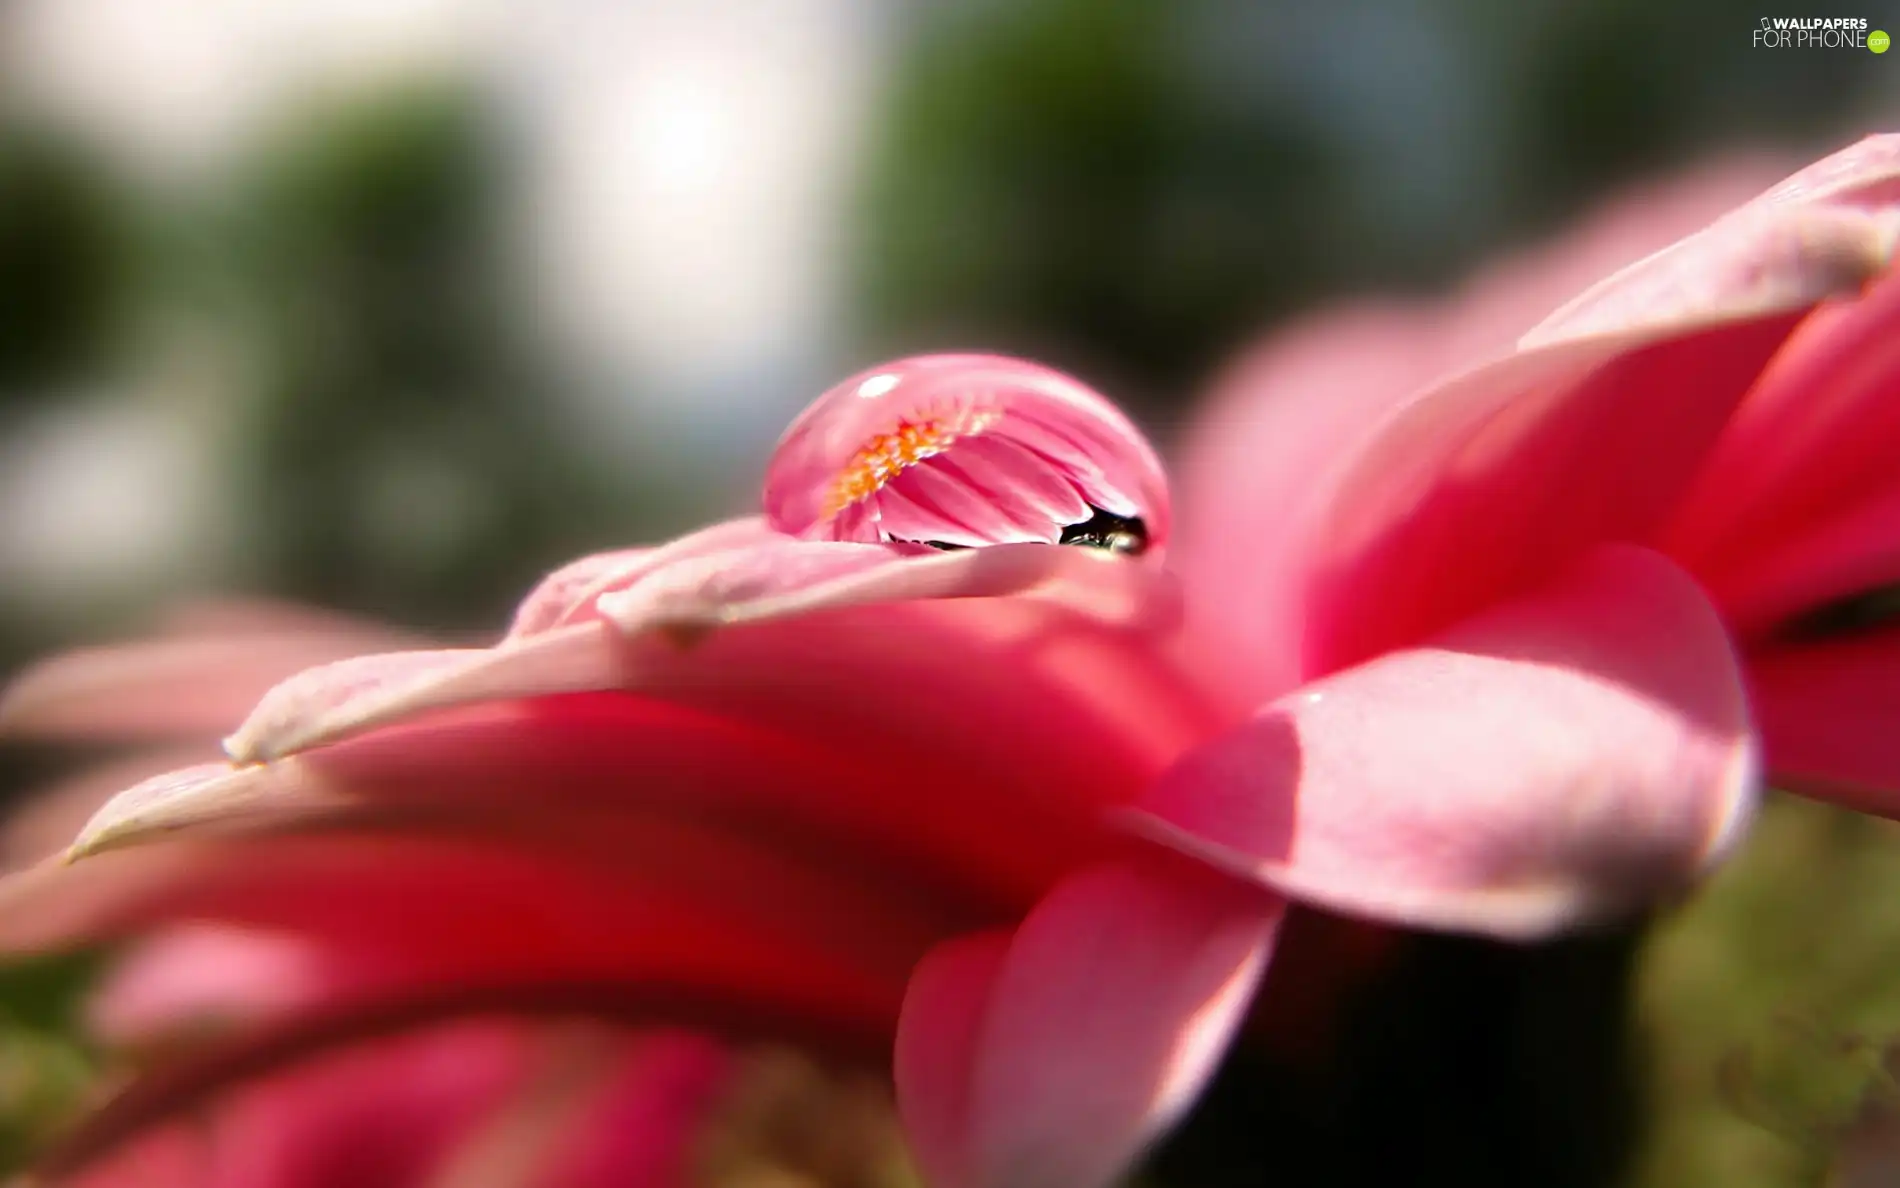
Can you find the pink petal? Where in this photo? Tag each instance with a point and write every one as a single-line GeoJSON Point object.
{"type": "Point", "coordinates": [741, 927]}
{"type": "Point", "coordinates": [935, 1060]}
{"type": "Point", "coordinates": [619, 753]}
{"type": "Point", "coordinates": [181, 979]}
{"type": "Point", "coordinates": [1554, 759]}
{"type": "Point", "coordinates": [1279, 439]}
{"type": "Point", "coordinates": [1780, 589]}
{"type": "Point", "coordinates": [1472, 488]}
{"type": "Point", "coordinates": [459, 1104]}
{"type": "Point", "coordinates": [1490, 481]}
{"type": "Point", "coordinates": [476, 1104]}
{"type": "Point", "coordinates": [646, 1127]}
{"type": "Point", "coordinates": [858, 445]}
{"type": "Point", "coordinates": [1064, 1054]}
{"type": "Point", "coordinates": [1272, 443]}
{"type": "Point", "coordinates": [1827, 719]}
{"type": "Point", "coordinates": [378, 1114]}
{"type": "Point", "coordinates": [1816, 436]}
{"type": "Point", "coordinates": [1017, 481]}
{"type": "Point", "coordinates": [818, 635]}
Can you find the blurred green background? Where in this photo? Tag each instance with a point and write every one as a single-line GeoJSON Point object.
{"type": "Point", "coordinates": [390, 306]}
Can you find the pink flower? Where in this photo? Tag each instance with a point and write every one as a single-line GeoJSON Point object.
{"type": "Point", "coordinates": [459, 1102]}
{"type": "Point", "coordinates": [1485, 619]}
{"type": "Point", "coordinates": [773, 785]}
{"type": "Point", "coordinates": [577, 1106]}
{"type": "Point", "coordinates": [893, 760]}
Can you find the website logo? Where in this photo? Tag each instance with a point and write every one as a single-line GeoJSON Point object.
{"type": "Point", "coordinates": [1819, 33]}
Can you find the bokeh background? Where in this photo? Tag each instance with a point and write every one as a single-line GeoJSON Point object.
{"type": "Point", "coordinates": [391, 304]}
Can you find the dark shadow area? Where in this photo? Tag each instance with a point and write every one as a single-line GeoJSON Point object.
{"type": "Point", "coordinates": [1460, 1062]}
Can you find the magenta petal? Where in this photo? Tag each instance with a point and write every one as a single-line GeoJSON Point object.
{"type": "Point", "coordinates": [1854, 554]}
{"type": "Point", "coordinates": [1092, 1032]}
{"type": "Point", "coordinates": [1555, 759]}
{"type": "Point", "coordinates": [1827, 720]}
{"type": "Point", "coordinates": [1818, 433]}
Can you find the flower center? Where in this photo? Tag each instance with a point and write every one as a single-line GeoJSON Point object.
{"type": "Point", "coordinates": [888, 455]}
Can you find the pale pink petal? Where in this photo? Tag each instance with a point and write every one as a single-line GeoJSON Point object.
{"type": "Point", "coordinates": [1827, 719]}
{"type": "Point", "coordinates": [1507, 299]}
{"type": "Point", "coordinates": [203, 795]}
{"type": "Point", "coordinates": [567, 595]}
{"type": "Point", "coordinates": [228, 615]}
{"type": "Point", "coordinates": [180, 979]}
{"type": "Point", "coordinates": [1760, 259]}
{"type": "Point", "coordinates": [1827, 230]}
{"type": "Point", "coordinates": [853, 466]}
{"type": "Point", "coordinates": [178, 685]}
{"type": "Point", "coordinates": [347, 690]}
{"type": "Point", "coordinates": [1099, 1024]}
{"type": "Point", "coordinates": [1865, 174]}
{"type": "Point", "coordinates": [46, 823]}
{"type": "Point", "coordinates": [1557, 758]}
{"type": "Point", "coordinates": [794, 577]}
